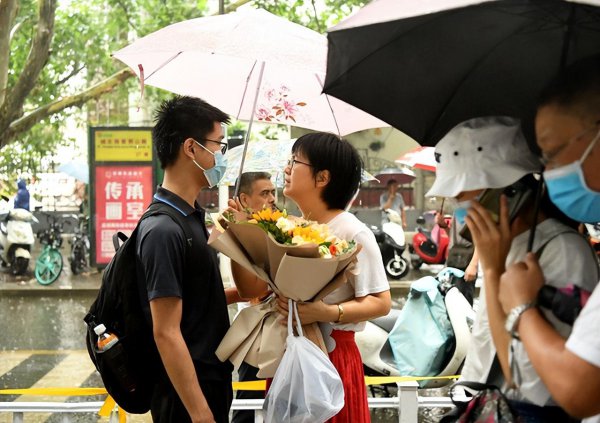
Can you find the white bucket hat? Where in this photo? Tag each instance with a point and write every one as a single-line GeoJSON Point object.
{"type": "Point", "coordinates": [481, 153]}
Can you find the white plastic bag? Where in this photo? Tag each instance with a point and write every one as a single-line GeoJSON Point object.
{"type": "Point", "coordinates": [306, 387]}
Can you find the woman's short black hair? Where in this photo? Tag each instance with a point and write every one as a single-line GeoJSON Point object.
{"type": "Point", "coordinates": [181, 118]}
{"type": "Point", "coordinates": [326, 151]}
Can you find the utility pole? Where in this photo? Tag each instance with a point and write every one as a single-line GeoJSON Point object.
{"type": "Point", "coordinates": [221, 7]}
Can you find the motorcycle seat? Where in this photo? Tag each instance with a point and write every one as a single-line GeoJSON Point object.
{"type": "Point", "coordinates": [432, 236]}
{"type": "Point", "coordinates": [387, 322]}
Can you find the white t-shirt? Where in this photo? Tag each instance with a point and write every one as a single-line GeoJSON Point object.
{"type": "Point", "coordinates": [371, 278]}
{"type": "Point", "coordinates": [397, 205]}
{"type": "Point", "coordinates": [582, 342]}
{"type": "Point", "coordinates": [566, 259]}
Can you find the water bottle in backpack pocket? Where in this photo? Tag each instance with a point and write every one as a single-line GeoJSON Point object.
{"type": "Point", "coordinates": [123, 375]}
{"type": "Point", "coordinates": [113, 359]}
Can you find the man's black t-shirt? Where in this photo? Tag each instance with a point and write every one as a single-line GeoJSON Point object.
{"type": "Point", "coordinates": [161, 261]}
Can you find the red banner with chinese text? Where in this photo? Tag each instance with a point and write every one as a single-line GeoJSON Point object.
{"type": "Point", "coordinates": [122, 195]}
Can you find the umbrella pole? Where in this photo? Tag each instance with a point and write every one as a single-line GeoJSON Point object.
{"type": "Point", "coordinates": [239, 178]}
{"type": "Point", "coordinates": [330, 108]}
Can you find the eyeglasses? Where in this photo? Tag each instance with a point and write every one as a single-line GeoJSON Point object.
{"type": "Point", "coordinates": [548, 158]}
{"type": "Point", "coordinates": [223, 144]}
{"type": "Point", "coordinates": [291, 162]}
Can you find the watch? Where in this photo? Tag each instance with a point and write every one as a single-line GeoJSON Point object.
{"type": "Point", "coordinates": [512, 320]}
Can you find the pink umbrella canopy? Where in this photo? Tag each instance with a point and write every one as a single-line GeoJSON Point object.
{"type": "Point", "coordinates": [252, 65]}
{"type": "Point", "coordinates": [419, 158]}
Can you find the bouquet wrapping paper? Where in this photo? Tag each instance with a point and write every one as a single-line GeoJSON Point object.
{"type": "Point", "coordinates": [295, 271]}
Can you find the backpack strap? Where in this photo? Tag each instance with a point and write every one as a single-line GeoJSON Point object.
{"type": "Point", "coordinates": [119, 236]}
{"type": "Point", "coordinates": [159, 206]}
{"type": "Point", "coordinates": [589, 248]}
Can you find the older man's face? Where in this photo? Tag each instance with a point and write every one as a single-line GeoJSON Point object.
{"type": "Point", "coordinates": [564, 137]}
{"type": "Point", "coordinates": [263, 195]}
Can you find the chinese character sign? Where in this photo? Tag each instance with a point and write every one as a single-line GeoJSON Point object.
{"type": "Point", "coordinates": [122, 145]}
{"type": "Point", "coordinates": [122, 195]}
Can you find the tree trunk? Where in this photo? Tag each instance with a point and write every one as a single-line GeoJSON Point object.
{"type": "Point", "coordinates": [8, 11]}
{"type": "Point", "coordinates": [27, 122]}
{"type": "Point", "coordinates": [12, 121]}
{"type": "Point", "coordinates": [12, 107]}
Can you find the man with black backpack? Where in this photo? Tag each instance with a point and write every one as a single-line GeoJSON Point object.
{"type": "Point", "coordinates": [183, 283]}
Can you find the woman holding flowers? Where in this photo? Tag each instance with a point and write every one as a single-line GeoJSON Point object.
{"type": "Point", "coordinates": [322, 177]}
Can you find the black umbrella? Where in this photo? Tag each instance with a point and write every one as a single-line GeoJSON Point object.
{"type": "Point", "coordinates": [425, 74]}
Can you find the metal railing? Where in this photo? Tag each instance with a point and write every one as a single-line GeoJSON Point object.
{"type": "Point", "coordinates": [407, 402]}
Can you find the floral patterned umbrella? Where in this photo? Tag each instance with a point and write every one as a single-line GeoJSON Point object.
{"type": "Point", "coordinates": [264, 156]}
{"type": "Point", "coordinates": [250, 64]}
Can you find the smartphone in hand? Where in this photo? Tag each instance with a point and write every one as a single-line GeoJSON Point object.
{"type": "Point", "coordinates": [517, 195]}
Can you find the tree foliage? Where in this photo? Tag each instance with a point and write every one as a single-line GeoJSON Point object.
{"type": "Point", "coordinates": [316, 15]}
{"type": "Point", "coordinates": [55, 55]}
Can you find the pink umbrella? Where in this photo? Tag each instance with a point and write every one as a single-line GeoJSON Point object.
{"type": "Point", "coordinates": [249, 63]}
{"type": "Point", "coordinates": [419, 158]}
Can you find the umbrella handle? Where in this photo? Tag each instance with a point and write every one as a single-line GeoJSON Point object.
{"type": "Point", "coordinates": [442, 206]}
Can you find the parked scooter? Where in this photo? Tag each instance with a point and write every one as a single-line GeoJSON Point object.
{"type": "Point", "coordinates": [391, 241]}
{"type": "Point", "coordinates": [16, 238]}
{"type": "Point", "coordinates": [429, 247]}
{"type": "Point", "coordinates": [376, 350]}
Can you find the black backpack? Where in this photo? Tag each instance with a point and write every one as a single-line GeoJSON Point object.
{"type": "Point", "coordinates": [129, 369]}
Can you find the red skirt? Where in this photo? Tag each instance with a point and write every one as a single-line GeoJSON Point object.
{"type": "Point", "coordinates": [346, 359]}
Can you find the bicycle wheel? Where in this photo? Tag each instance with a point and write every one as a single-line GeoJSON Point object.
{"type": "Point", "coordinates": [48, 266]}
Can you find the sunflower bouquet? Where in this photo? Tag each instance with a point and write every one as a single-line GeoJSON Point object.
{"type": "Point", "coordinates": [290, 230]}
{"type": "Point", "coordinates": [298, 258]}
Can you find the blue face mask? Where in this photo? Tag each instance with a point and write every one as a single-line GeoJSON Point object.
{"type": "Point", "coordinates": [569, 192]}
{"type": "Point", "coordinates": [460, 212]}
{"type": "Point", "coordinates": [215, 173]}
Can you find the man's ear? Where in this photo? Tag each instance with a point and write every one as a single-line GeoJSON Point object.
{"type": "Point", "coordinates": [323, 177]}
{"type": "Point", "coordinates": [188, 147]}
{"type": "Point", "coordinates": [243, 199]}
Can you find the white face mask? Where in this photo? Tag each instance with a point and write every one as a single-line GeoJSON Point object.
{"type": "Point", "coordinates": [214, 174]}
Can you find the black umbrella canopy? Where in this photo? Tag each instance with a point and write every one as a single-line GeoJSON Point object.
{"type": "Point", "coordinates": [425, 74]}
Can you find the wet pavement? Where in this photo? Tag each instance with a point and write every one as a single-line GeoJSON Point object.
{"type": "Point", "coordinates": [42, 337]}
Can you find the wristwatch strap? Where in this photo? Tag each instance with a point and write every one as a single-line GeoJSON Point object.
{"type": "Point", "coordinates": [512, 320]}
